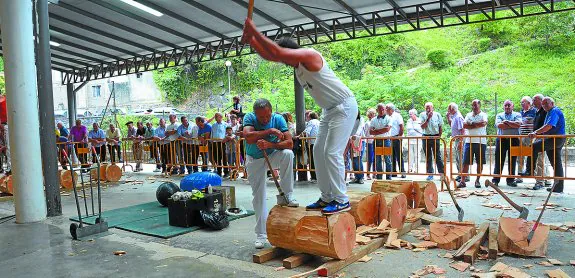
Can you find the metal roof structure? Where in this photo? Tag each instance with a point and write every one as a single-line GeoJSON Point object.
{"type": "Point", "coordinates": [94, 39]}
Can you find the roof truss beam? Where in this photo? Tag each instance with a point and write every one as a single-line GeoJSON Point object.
{"type": "Point", "coordinates": [214, 13]}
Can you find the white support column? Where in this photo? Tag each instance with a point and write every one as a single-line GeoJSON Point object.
{"type": "Point", "coordinates": [22, 101]}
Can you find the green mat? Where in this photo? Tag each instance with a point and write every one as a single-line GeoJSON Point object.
{"type": "Point", "coordinates": [119, 216]}
{"type": "Point", "coordinates": [158, 226]}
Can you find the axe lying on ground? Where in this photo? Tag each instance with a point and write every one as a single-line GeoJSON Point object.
{"type": "Point", "coordinates": [523, 211]}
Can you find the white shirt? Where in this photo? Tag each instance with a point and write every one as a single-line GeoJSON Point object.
{"type": "Point", "coordinates": [414, 129]}
{"type": "Point", "coordinates": [396, 121]}
{"type": "Point", "coordinates": [367, 128]}
{"type": "Point", "coordinates": [173, 127]}
{"type": "Point", "coordinates": [470, 119]}
{"type": "Point", "coordinates": [379, 123]}
{"type": "Point", "coordinates": [324, 86]}
{"type": "Point", "coordinates": [312, 129]}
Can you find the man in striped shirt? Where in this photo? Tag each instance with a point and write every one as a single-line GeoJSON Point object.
{"type": "Point", "coordinates": [527, 115]}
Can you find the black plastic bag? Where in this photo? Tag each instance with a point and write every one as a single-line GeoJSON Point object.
{"type": "Point", "coordinates": [216, 220]}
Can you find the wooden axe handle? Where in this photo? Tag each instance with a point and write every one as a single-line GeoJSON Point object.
{"type": "Point", "coordinates": [250, 9]}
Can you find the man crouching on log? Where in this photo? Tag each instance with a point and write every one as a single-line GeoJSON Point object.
{"type": "Point", "coordinates": [339, 115]}
{"type": "Point", "coordinates": [267, 132]}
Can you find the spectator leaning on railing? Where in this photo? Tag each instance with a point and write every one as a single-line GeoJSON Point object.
{"type": "Point", "coordinates": [149, 135]}
{"type": "Point", "coordinates": [541, 165]}
{"type": "Point", "coordinates": [113, 136]}
{"type": "Point", "coordinates": [204, 133]}
{"type": "Point", "coordinates": [217, 148]}
{"type": "Point", "coordinates": [413, 130]}
{"type": "Point", "coordinates": [396, 144]}
{"type": "Point", "coordinates": [161, 147]}
{"type": "Point", "coordinates": [554, 125]}
{"type": "Point", "coordinates": [370, 146]}
{"type": "Point", "coordinates": [527, 115]}
{"type": "Point", "coordinates": [172, 146]}
{"type": "Point", "coordinates": [97, 139]}
{"type": "Point", "coordinates": [507, 123]}
{"type": "Point", "coordinates": [189, 135]}
{"type": "Point", "coordinates": [379, 128]}
{"type": "Point", "coordinates": [455, 120]}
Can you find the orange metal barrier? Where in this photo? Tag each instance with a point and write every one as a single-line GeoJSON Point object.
{"type": "Point", "coordinates": [503, 152]}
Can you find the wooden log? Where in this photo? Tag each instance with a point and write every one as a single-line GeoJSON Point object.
{"type": "Point", "coordinates": [296, 260]}
{"type": "Point", "coordinates": [512, 237]}
{"type": "Point", "coordinates": [451, 235]}
{"type": "Point", "coordinates": [268, 254]}
{"type": "Point", "coordinates": [367, 207]}
{"type": "Point", "coordinates": [396, 209]}
{"type": "Point", "coordinates": [470, 249]}
{"type": "Point", "coordinates": [113, 173]}
{"type": "Point", "coordinates": [493, 247]}
{"type": "Point", "coordinates": [102, 177]}
{"type": "Point", "coordinates": [311, 232]}
{"type": "Point", "coordinates": [429, 198]}
{"type": "Point", "coordinates": [412, 193]}
{"type": "Point", "coordinates": [66, 179]}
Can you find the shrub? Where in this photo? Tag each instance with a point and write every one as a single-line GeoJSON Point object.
{"type": "Point", "coordinates": [439, 58]}
{"type": "Point", "coordinates": [483, 45]}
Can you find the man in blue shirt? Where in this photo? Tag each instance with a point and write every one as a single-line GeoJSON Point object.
{"type": "Point", "coordinates": [217, 148]}
{"type": "Point", "coordinates": [63, 130]}
{"type": "Point", "coordinates": [507, 123]}
{"type": "Point", "coordinates": [162, 146]}
{"type": "Point", "coordinates": [204, 133]}
{"type": "Point", "coordinates": [97, 138]}
{"type": "Point", "coordinates": [528, 113]}
{"type": "Point", "coordinates": [554, 125]}
{"type": "Point", "coordinates": [267, 132]}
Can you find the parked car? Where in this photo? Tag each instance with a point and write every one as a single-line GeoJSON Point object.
{"type": "Point", "coordinates": [110, 111]}
{"type": "Point", "coordinates": [166, 111]}
{"type": "Point", "coordinates": [81, 113]}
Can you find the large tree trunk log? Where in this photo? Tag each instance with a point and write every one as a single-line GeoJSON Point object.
{"type": "Point", "coordinates": [429, 199]}
{"type": "Point", "coordinates": [367, 207]}
{"type": "Point", "coordinates": [396, 209]}
{"type": "Point", "coordinates": [113, 173]}
{"type": "Point", "coordinates": [512, 237]}
{"type": "Point", "coordinates": [412, 193]}
{"type": "Point", "coordinates": [451, 235]}
{"type": "Point", "coordinates": [66, 178]}
{"type": "Point", "coordinates": [311, 232]}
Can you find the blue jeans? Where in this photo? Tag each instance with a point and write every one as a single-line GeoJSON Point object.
{"type": "Point", "coordinates": [371, 156]}
{"type": "Point", "coordinates": [387, 158]}
{"type": "Point", "coordinates": [358, 164]}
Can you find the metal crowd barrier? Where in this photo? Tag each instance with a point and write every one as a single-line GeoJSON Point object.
{"type": "Point", "coordinates": [516, 154]}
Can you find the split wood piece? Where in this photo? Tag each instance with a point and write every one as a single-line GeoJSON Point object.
{"type": "Point", "coordinates": [66, 179]}
{"type": "Point", "coordinates": [512, 237]}
{"type": "Point", "coordinates": [311, 232]}
{"type": "Point", "coordinates": [428, 219]}
{"type": "Point", "coordinates": [113, 173]}
{"type": "Point", "coordinates": [429, 198]}
{"type": "Point", "coordinates": [438, 212]}
{"type": "Point", "coordinates": [557, 273]}
{"type": "Point", "coordinates": [331, 267]}
{"type": "Point", "coordinates": [412, 193]}
{"type": "Point", "coordinates": [472, 241]}
{"type": "Point", "coordinates": [367, 207]}
{"type": "Point", "coordinates": [504, 270]}
{"type": "Point", "coordinates": [362, 240]}
{"type": "Point", "coordinates": [470, 255]}
{"type": "Point", "coordinates": [413, 215]}
{"type": "Point", "coordinates": [6, 185]}
{"type": "Point", "coordinates": [383, 225]}
{"type": "Point", "coordinates": [396, 209]}
{"type": "Point", "coordinates": [391, 238]}
{"type": "Point", "coordinates": [364, 229]}
{"type": "Point", "coordinates": [296, 260]}
{"type": "Point", "coordinates": [451, 235]}
{"type": "Point", "coordinates": [493, 246]}
{"type": "Point", "coordinates": [268, 254]}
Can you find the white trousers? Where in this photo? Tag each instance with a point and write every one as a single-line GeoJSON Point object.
{"type": "Point", "coordinates": [7, 140]}
{"type": "Point", "coordinates": [257, 169]}
{"type": "Point", "coordinates": [335, 128]}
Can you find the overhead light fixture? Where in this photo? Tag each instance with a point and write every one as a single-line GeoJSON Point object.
{"type": "Point", "coordinates": [54, 44]}
{"type": "Point", "coordinates": [142, 7]}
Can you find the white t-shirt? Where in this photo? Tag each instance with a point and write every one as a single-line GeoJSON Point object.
{"type": "Point", "coordinates": [173, 127]}
{"type": "Point", "coordinates": [396, 121]}
{"type": "Point", "coordinates": [312, 129]}
{"type": "Point", "coordinates": [379, 123]}
{"type": "Point", "coordinates": [470, 119]}
{"type": "Point", "coordinates": [414, 129]}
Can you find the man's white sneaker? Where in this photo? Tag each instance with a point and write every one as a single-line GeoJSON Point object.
{"type": "Point", "coordinates": [281, 200]}
{"type": "Point", "coordinates": [260, 243]}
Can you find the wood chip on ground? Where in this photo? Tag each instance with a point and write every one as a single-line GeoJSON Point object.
{"type": "Point", "coordinates": [460, 266]}
{"type": "Point", "coordinates": [555, 262]}
{"type": "Point", "coordinates": [364, 259]}
{"type": "Point", "coordinates": [557, 273]}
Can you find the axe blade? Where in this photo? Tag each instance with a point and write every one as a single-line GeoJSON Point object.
{"type": "Point", "coordinates": [524, 213]}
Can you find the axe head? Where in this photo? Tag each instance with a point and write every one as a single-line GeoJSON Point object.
{"type": "Point", "coordinates": [460, 215]}
{"type": "Point", "coordinates": [524, 213]}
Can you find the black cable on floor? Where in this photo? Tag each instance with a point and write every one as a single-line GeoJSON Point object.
{"type": "Point", "coordinates": [7, 218]}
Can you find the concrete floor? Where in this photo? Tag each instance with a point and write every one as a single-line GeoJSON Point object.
{"type": "Point", "coordinates": [46, 249]}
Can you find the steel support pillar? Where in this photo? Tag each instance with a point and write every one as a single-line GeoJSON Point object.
{"type": "Point", "coordinates": [300, 122]}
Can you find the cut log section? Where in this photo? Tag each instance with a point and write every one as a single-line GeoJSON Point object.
{"type": "Point", "coordinates": [6, 185]}
{"type": "Point", "coordinates": [429, 199]}
{"type": "Point", "coordinates": [512, 237]}
{"type": "Point", "coordinates": [493, 247]}
{"type": "Point", "coordinates": [412, 193]}
{"type": "Point", "coordinates": [367, 207]}
{"type": "Point", "coordinates": [396, 209]}
{"type": "Point", "coordinates": [66, 179]}
{"type": "Point", "coordinates": [311, 232]}
{"type": "Point", "coordinates": [113, 173]}
{"type": "Point", "coordinates": [451, 235]}
{"type": "Point", "coordinates": [94, 172]}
